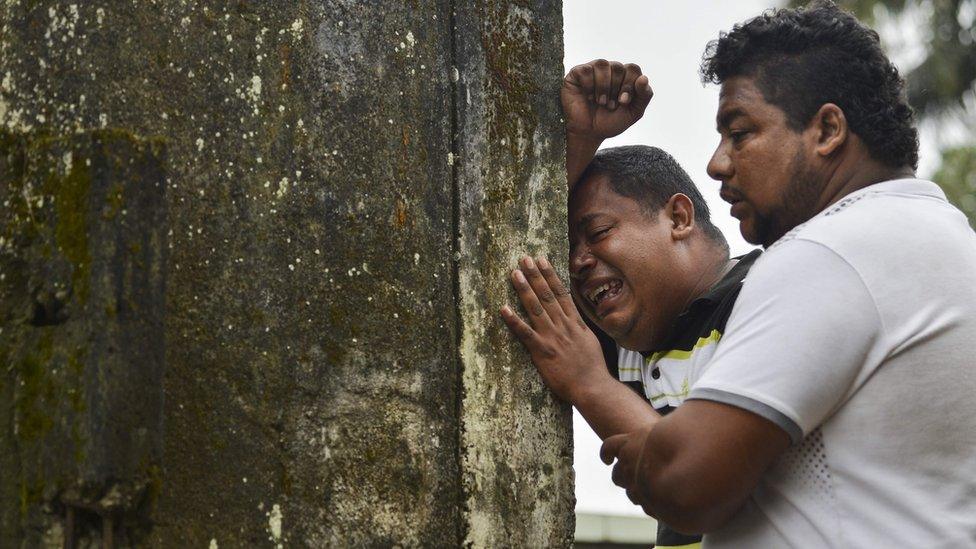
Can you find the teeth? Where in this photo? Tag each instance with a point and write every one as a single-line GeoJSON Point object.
{"type": "Point", "coordinates": [597, 291]}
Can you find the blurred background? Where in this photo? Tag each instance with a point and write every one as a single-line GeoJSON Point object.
{"type": "Point", "coordinates": [933, 43]}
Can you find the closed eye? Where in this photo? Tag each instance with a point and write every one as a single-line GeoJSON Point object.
{"type": "Point", "coordinates": [738, 135]}
{"type": "Point", "coordinates": [599, 233]}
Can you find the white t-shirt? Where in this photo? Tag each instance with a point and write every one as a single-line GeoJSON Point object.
{"type": "Point", "coordinates": [855, 333]}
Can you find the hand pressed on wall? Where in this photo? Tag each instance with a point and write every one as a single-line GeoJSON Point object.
{"type": "Point", "coordinates": [563, 349]}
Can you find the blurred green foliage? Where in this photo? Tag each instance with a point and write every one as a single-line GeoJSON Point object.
{"type": "Point", "coordinates": [957, 176]}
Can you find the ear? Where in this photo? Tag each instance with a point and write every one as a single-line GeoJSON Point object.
{"type": "Point", "coordinates": [680, 214]}
{"type": "Point", "coordinates": [829, 129]}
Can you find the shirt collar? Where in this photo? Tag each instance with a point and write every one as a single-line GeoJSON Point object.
{"type": "Point", "coordinates": [714, 295]}
{"type": "Point", "coordinates": [730, 280]}
{"type": "Point", "coordinates": [904, 186]}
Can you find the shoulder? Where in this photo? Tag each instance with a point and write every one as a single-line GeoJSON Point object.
{"type": "Point", "coordinates": [800, 267]}
{"type": "Point", "coordinates": [865, 226]}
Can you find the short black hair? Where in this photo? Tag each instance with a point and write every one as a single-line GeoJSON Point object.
{"type": "Point", "coordinates": [650, 177]}
{"type": "Point", "coordinates": [801, 59]}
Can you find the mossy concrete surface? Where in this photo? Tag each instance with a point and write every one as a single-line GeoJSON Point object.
{"type": "Point", "coordinates": [346, 185]}
{"type": "Point", "coordinates": [512, 197]}
{"type": "Point", "coordinates": [82, 235]}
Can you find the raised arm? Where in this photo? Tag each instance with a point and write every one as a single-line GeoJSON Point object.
{"type": "Point", "coordinates": [600, 99]}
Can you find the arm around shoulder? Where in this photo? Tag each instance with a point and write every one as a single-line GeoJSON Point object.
{"type": "Point", "coordinates": [700, 463]}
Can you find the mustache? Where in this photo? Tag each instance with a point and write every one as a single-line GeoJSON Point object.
{"type": "Point", "coordinates": [729, 194]}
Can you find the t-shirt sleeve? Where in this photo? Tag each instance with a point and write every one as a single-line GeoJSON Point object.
{"type": "Point", "coordinates": [797, 342]}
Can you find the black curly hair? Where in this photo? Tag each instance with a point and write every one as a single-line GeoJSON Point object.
{"type": "Point", "coordinates": [801, 59]}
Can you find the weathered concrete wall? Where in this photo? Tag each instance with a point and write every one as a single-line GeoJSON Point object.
{"type": "Point", "coordinates": [511, 200]}
{"type": "Point", "coordinates": [256, 304]}
{"type": "Point", "coordinates": [82, 234]}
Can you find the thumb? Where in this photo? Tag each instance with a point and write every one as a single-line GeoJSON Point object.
{"type": "Point", "coordinates": [642, 94]}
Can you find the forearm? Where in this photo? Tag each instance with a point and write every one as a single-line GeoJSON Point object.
{"type": "Point", "coordinates": [579, 152]}
{"type": "Point", "coordinates": [611, 408]}
{"type": "Point", "coordinates": [700, 464]}
{"type": "Point", "coordinates": [672, 489]}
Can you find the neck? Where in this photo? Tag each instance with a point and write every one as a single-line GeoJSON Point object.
{"type": "Point", "coordinates": [712, 262]}
{"type": "Point", "coordinates": [857, 172]}
{"type": "Point", "coordinates": [715, 265]}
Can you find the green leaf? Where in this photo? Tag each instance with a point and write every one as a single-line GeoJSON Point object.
{"type": "Point", "coordinates": [957, 177]}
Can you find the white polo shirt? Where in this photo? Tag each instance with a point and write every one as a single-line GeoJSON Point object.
{"type": "Point", "coordinates": [856, 333]}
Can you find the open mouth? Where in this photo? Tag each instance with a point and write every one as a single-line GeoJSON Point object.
{"type": "Point", "coordinates": [604, 292]}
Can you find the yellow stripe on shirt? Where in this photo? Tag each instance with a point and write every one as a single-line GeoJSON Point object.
{"type": "Point", "coordinates": [685, 389]}
{"type": "Point", "coordinates": [685, 355]}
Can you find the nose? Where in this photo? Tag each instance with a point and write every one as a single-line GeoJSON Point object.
{"type": "Point", "coordinates": [720, 166]}
{"type": "Point", "coordinates": [580, 261]}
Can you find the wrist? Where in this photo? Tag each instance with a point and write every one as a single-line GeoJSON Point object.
{"type": "Point", "coordinates": [580, 149]}
{"type": "Point", "coordinates": [582, 140]}
{"type": "Point", "coordinates": [592, 388]}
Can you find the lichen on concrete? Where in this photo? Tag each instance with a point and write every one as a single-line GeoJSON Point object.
{"type": "Point", "coordinates": [83, 421]}
{"type": "Point", "coordinates": [299, 266]}
{"type": "Point", "coordinates": [512, 202]}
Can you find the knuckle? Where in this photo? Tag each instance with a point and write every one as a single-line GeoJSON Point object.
{"type": "Point", "coordinates": [547, 296]}
{"type": "Point", "coordinates": [633, 67]}
{"type": "Point", "coordinates": [524, 331]}
{"type": "Point", "coordinates": [547, 351]}
{"type": "Point", "coordinates": [617, 476]}
{"type": "Point", "coordinates": [602, 63]}
{"type": "Point", "coordinates": [537, 310]}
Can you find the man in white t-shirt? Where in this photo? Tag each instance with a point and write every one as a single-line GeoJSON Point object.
{"type": "Point", "coordinates": [839, 408]}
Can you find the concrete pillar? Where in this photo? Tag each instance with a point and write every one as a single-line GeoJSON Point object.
{"type": "Point", "coordinates": [251, 260]}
